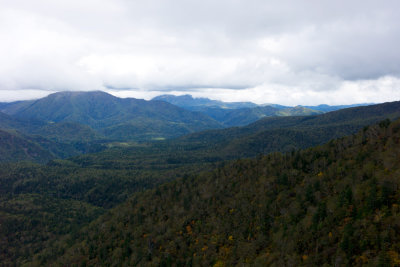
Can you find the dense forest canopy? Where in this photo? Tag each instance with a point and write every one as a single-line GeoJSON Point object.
{"type": "Point", "coordinates": [234, 196]}
{"type": "Point", "coordinates": [336, 204]}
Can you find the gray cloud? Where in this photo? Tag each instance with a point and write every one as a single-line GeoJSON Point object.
{"type": "Point", "coordinates": [277, 50]}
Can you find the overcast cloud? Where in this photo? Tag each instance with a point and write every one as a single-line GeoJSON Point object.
{"type": "Point", "coordinates": [286, 52]}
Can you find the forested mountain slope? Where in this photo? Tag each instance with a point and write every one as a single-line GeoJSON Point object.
{"type": "Point", "coordinates": [232, 114]}
{"type": "Point", "coordinates": [41, 203]}
{"type": "Point", "coordinates": [105, 179]}
{"type": "Point", "coordinates": [38, 141]}
{"type": "Point", "coordinates": [268, 135]}
{"type": "Point", "coordinates": [336, 204]}
{"type": "Point", "coordinates": [15, 106]}
{"type": "Point", "coordinates": [328, 108]}
{"type": "Point", "coordinates": [11, 122]}
{"type": "Point", "coordinates": [71, 123]}
{"type": "Point", "coordinates": [244, 116]}
{"type": "Point", "coordinates": [285, 133]}
{"type": "Point", "coordinates": [16, 147]}
{"type": "Point", "coordinates": [116, 118]}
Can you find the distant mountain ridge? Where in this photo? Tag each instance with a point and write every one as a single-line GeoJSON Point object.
{"type": "Point", "coordinates": [328, 108]}
{"type": "Point", "coordinates": [242, 113]}
{"type": "Point", "coordinates": [190, 101]}
{"type": "Point", "coordinates": [271, 134]}
{"type": "Point", "coordinates": [286, 133]}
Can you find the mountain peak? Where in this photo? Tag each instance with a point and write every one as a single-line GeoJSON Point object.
{"type": "Point", "coordinates": [79, 93]}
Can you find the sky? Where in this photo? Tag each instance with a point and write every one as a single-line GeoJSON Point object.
{"type": "Point", "coordinates": [285, 52]}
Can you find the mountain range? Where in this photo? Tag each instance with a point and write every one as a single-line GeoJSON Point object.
{"type": "Point", "coordinates": [254, 194]}
{"type": "Point", "coordinates": [115, 118]}
{"type": "Point", "coordinates": [80, 122]}
{"type": "Point", "coordinates": [232, 114]}
{"type": "Point", "coordinates": [71, 123]}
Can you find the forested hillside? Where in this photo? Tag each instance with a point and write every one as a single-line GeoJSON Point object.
{"type": "Point", "coordinates": [37, 141]}
{"type": "Point", "coordinates": [16, 147]}
{"type": "Point", "coordinates": [176, 133]}
{"type": "Point", "coordinates": [33, 196]}
{"type": "Point", "coordinates": [33, 222]}
{"type": "Point", "coordinates": [66, 124]}
{"type": "Point", "coordinates": [42, 203]}
{"type": "Point", "coordinates": [116, 118]}
{"type": "Point", "coordinates": [282, 133]}
{"type": "Point", "coordinates": [336, 204]}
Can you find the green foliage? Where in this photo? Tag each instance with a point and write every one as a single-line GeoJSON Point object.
{"type": "Point", "coordinates": [231, 117]}
{"type": "Point", "coordinates": [131, 119]}
{"type": "Point", "coordinates": [98, 181]}
{"type": "Point", "coordinates": [328, 207]}
{"type": "Point", "coordinates": [282, 209]}
{"type": "Point", "coordinates": [31, 223]}
{"type": "Point", "coordinates": [16, 147]}
{"type": "Point", "coordinates": [298, 111]}
{"type": "Point", "coordinates": [282, 134]}
{"type": "Point", "coordinates": [112, 116]}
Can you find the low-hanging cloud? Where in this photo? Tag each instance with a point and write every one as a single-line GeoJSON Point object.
{"type": "Point", "coordinates": [290, 52]}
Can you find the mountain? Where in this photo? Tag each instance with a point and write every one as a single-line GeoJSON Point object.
{"type": "Point", "coordinates": [116, 118]}
{"type": "Point", "coordinates": [238, 117]}
{"type": "Point", "coordinates": [298, 111]}
{"type": "Point", "coordinates": [245, 116]}
{"type": "Point", "coordinates": [268, 135]}
{"type": "Point", "coordinates": [44, 140]}
{"type": "Point", "coordinates": [187, 101]}
{"type": "Point", "coordinates": [16, 147]}
{"type": "Point", "coordinates": [284, 133]}
{"type": "Point", "coordinates": [11, 122]}
{"type": "Point", "coordinates": [328, 108]}
{"type": "Point", "coordinates": [332, 204]}
{"type": "Point", "coordinates": [234, 113]}
{"type": "Point", "coordinates": [13, 107]}
{"type": "Point", "coordinates": [63, 131]}
{"type": "Point", "coordinates": [70, 123]}
{"type": "Point", "coordinates": [68, 132]}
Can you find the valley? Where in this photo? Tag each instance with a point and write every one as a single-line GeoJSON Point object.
{"type": "Point", "coordinates": [187, 195]}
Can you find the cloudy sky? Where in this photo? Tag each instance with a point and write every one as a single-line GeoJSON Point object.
{"type": "Point", "coordinates": [286, 52]}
